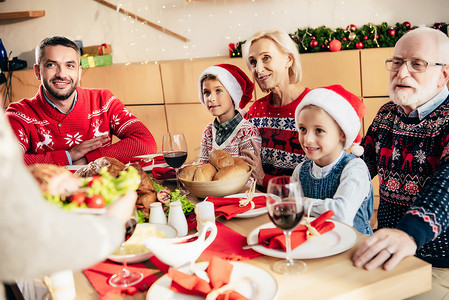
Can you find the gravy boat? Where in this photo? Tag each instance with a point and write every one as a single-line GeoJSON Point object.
{"type": "Point", "coordinates": [175, 254]}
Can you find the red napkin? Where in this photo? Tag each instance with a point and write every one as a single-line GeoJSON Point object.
{"type": "Point", "coordinates": [275, 238]}
{"type": "Point", "coordinates": [143, 162]}
{"type": "Point", "coordinates": [163, 173]}
{"type": "Point", "coordinates": [228, 245]}
{"type": "Point", "coordinates": [99, 274]}
{"type": "Point", "coordinates": [229, 207]}
{"type": "Point", "coordinates": [219, 272]}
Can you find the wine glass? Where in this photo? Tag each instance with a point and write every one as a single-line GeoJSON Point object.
{"type": "Point", "coordinates": [285, 204]}
{"type": "Point", "coordinates": [126, 277]}
{"type": "Point", "coordinates": [174, 150]}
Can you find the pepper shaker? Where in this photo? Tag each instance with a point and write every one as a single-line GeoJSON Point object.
{"type": "Point", "coordinates": [177, 219]}
{"type": "Point", "coordinates": [157, 215]}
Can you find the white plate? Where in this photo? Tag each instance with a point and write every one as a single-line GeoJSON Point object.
{"type": "Point", "coordinates": [263, 287]}
{"type": "Point", "coordinates": [74, 167]}
{"type": "Point", "coordinates": [338, 240]}
{"type": "Point", "coordinates": [252, 212]}
{"type": "Point", "coordinates": [169, 232]}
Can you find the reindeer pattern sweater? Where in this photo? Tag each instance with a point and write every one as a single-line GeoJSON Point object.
{"type": "Point", "coordinates": [411, 158]}
{"type": "Point", "coordinates": [281, 151]}
{"type": "Point", "coordinates": [44, 133]}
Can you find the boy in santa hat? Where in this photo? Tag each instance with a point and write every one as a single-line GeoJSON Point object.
{"type": "Point", "coordinates": [223, 89]}
{"type": "Point", "coordinates": [328, 120]}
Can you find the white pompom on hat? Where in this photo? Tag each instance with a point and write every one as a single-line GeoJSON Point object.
{"type": "Point", "coordinates": [344, 107]}
{"type": "Point", "coordinates": [234, 80]}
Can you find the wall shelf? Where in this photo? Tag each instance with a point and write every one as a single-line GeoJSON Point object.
{"type": "Point", "coordinates": [22, 14]}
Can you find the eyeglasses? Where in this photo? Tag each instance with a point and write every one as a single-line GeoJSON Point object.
{"type": "Point", "coordinates": [413, 65]}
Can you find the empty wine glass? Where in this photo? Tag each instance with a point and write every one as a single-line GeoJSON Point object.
{"type": "Point", "coordinates": [126, 277]}
{"type": "Point", "coordinates": [174, 150]}
{"type": "Point", "coordinates": [285, 204]}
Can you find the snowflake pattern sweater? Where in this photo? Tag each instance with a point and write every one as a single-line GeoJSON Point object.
{"type": "Point", "coordinates": [281, 151]}
{"type": "Point", "coordinates": [411, 158]}
{"type": "Point", "coordinates": [44, 133]}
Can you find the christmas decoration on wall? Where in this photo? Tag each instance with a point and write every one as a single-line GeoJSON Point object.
{"type": "Point", "coordinates": [350, 37]}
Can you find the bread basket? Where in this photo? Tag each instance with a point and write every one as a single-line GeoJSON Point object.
{"type": "Point", "coordinates": [220, 188]}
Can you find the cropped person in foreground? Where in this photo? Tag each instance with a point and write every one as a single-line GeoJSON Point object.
{"type": "Point", "coordinates": [328, 121]}
{"type": "Point", "coordinates": [39, 238]}
{"type": "Point", "coordinates": [407, 146]}
{"type": "Point", "coordinates": [65, 124]}
{"type": "Point", "coordinates": [273, 59]}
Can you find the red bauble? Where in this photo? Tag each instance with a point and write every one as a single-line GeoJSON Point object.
{"type": "Point", "coordinates": [377, 36]}
{"type": "Point", "coordinates": [335, 45]}
{"type": "Point", "coordinates": [359, 45]}
{"type": "Point", "coordinates": [312, 37]}
{"type": "Point", "coordinates": [365, 37]}
{"type": "Point", "coordinates": [391, 31]}
{"type": "Point", "coordinates": [351, 27]}
{"type": "Point", "coordinates": [407, 24]}
{"type": "Point", "coordinates": [344, 39]}
{"type": "Point", "coordinates": [313, 43]}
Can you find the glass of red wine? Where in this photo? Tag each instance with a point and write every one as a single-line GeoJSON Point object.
{"type": "Point", "coordinates": [174, 150]}
{"type": "Point", "coordinates": [126, 277]}
{"type": "Point", "coordinates": [285, 204]}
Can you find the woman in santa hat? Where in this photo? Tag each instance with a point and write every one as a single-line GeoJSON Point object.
{"type": "Point", "coordinates": [273, 59]}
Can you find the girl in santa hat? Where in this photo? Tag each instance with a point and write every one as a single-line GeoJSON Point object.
{"type": "Point", "coordinates": [328, 122]}
{"type": "Point", "coordinates": [223, 89]}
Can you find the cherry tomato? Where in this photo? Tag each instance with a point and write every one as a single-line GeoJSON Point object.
{"type": "Point", "coordinates": [96, 201]}
{"type": "Point", "coordinates": [78, 198]}
{"type": "Point", "coordinates": [95, 178]}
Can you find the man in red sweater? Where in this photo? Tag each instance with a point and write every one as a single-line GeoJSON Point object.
{"type": "Point", "coordinates": [65, 124]}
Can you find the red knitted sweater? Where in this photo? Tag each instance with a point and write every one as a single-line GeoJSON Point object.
{"type": "Point", "coordinates": [45, 134]}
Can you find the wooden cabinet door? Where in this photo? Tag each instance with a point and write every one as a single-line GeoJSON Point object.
{"type": "Point", "coordinates": [191, 119]}
{"type": "Point", "coordinates": [153, 117]}
{"type": "Point", "coordinates": [375, 78]}
{"type": "Point", "coordinates": [136, 83]}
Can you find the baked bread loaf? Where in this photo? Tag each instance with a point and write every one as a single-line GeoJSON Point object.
{"type": "Point", "coordinates": [205, 172]}
{"type": "Point", "coordinates": [220, 159]}
{"type": "Point", "coordinates": [241, 163]}
{"type": "Point", "coordinates": [187, 172]}
{"type": "Point", "coordinates": [229, 172]}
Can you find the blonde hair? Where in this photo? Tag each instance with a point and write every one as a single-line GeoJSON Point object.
{"type": "Point", "coordinates": [285, 43]}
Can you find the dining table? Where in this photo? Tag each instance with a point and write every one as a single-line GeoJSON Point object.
{"type": "Point", "coordinates": [331, 277]}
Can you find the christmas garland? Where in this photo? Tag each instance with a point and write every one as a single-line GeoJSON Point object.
{"type": "Point", "coordinates": [323, 39]}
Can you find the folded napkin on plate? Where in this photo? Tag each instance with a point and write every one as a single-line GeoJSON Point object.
{"type": "Point", "coordinates": [228, 245]}
{"type": "Point", "coordinates": [163, 173]}
{"type": "Point", "coordinates": [275, 238]}
{"type": "Point", "coordinates": [144, 162]}
{"type": "Point", "coordinates": [219, 272]}
{"type": "Point", "coordinates": [99, 274]}
{"type": "Point", "coordinates": [230, 207]}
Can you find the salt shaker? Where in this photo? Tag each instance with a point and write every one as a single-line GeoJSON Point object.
{"type": "Point", "coordinates": [157, 215]}
{"type": "Point", "coordinates": [204, 213]}
{"type": "Point", "coordinates": [177, 219]}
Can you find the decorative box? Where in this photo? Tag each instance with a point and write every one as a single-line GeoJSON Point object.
{"type": "Point", "coordinates": [95, 61]}
{"type": "Point", "coordinates": [102, 49]}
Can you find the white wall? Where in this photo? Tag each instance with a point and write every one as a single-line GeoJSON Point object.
{"type": "Point", "coordinates": [209, 24]}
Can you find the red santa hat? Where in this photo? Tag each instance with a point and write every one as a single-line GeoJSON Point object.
{"type": "Point", "coordinates": [344, 107]}
{"type": "Point", "coordinates": [234, 80]}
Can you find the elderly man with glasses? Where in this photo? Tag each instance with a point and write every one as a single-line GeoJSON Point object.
{"type": "Point", "coordinates": [407, 146]}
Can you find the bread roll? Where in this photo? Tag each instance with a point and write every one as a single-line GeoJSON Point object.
{"type": "Point", "coordinates": [229, 172]}
{"type": "Point", "coordinates": [188, 172]}
{"type": "Point", "coordinates": [240, 162]}
{"type": "Point", "coordinates": [205, 172]}
{"type": "Point", "coordinates": [220, 159]}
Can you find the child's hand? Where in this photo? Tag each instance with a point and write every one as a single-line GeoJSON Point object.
{"type": "Point", "coordinates": [253, 159]}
